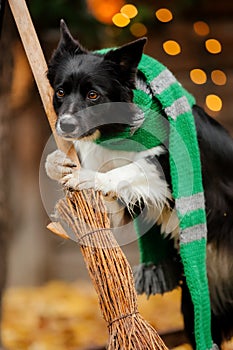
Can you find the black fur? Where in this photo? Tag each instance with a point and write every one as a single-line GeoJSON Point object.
{"type": "Point", "coordinates": [112, 76]}
{"type": "Point", "coordinates": [76, 72]}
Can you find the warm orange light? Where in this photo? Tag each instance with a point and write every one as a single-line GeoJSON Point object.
{"type": "Point", "coordinates": [213, 102]}
{"type": "Point", "coordinates": [218, 77]}
{"type": "Point", "coordinates": [198, 76]}
{"type": "Point", "coordinates": [171, 47]}
{"type": "Point", "coordinates": [103, 10]}
{"type": "Point", "coordinates": [129, 10]}
{"type": "Point", "coordinates": [213, 46]}
{"type": "Point", "coordinates": [201, 28]}
{"type": "Point", "coordinates": [164, 15]}
{"type": "Point", "coordinates": [120, 20]}
{"type": "Point", "coordinates": [138, 29]}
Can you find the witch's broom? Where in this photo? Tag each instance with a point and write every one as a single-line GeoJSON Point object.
{"type": "Point", "coordinates": [85, 213]}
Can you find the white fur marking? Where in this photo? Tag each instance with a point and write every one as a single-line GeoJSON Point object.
{"type": "Point", "coordinates": [127, 175]}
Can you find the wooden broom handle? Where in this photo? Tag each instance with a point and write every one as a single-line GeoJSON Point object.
{"type": "Point", "coordinates": [39, 68]}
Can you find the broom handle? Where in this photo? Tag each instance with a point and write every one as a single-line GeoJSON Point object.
{"type": "Point", "coordinates": [39, 68]}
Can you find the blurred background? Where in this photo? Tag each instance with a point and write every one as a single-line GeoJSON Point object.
{"type": "Point", "coordinates": [194, 38]}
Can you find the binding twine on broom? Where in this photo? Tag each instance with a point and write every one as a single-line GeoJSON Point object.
{"type": "Point", "coordinates": [86, 215]}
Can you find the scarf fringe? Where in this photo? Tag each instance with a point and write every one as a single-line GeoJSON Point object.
{"type": "Point", "coordinates": [156, 279]}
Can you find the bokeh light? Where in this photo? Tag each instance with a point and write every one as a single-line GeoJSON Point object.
{"type": "Point", "coordinates": [120, 20]}
{"type": "Point", "coordinates": [138, 29]}
{"type": "Point", "coordinates": [129, 10]}
{"type": "Point", "coordinates": [103, 10]}
{"type": "Point", "coordinates": [201, 28]}
{"type": "Point", "coordinates": [213, 102]}
{"type": "Point", "coordinates": [171, 47]}
{"type": "Point", "coordinates": [213, 46]}
{"type": "Point", "coordinates": [164, 15]}
{"type": "Point", "coordinates": [198, 76]}
{"type": "Point", "coordinates": [218, 77]}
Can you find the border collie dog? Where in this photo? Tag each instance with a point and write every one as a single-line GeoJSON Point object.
{"type": "Point", "coordinates": [84, 80]}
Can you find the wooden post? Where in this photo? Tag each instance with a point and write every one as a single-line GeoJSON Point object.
{"type": "Point", "coordinates": [39, 68]}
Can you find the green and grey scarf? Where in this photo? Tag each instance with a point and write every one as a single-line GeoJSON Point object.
{"type": "Point", "coordinates": [172, 101]}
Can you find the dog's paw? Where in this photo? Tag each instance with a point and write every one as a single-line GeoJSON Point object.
{"type": "Point", "coordinates": [58, 165]}
{"type": "Point", "coordinates": [83, 179]}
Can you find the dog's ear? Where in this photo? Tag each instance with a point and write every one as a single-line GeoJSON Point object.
{"type": "Point", "coordinates": [127, 56]}
{"type": "Point", "coordinates": [67, 45]}
{"type": "Point", "coordinates": [67, 42]}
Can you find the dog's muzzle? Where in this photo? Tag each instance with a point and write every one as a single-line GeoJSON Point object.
{"type": "Point", "coordinates": [67, 126]}
{"type": "Point", "coordinates": [70, 127]}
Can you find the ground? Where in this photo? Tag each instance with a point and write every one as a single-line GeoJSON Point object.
{"type": "Point", "coordinates": [61, 315]}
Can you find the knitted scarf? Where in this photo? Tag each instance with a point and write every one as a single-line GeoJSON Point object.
{"type": "Point", "coordinates": [157, 272]}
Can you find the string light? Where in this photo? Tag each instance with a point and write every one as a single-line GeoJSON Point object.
{"type": "Point", "coordinates": [198, 76]}
{"type": "Point", "coordinates": [171, 47]}
{"type": "Point", "coordinates": [138, 29]}
{"type": "Point", "coordinates": [164, 15]}
{"type": "Point", "coordinates": [213, 46]}
{"type": "Point", "coordinates": [218, 77]}
{"type": "Point", "coordinates": [120, 20]}
{"type": "Point", "coordinates": [201, 28]}
{"type": "Point", "coordinates": [213, 102]}
{"type": "Point", "coordinates": [129, 10]}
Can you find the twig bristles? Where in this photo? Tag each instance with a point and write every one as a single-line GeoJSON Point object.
{"type": "Point", "coordinates": [110, 272]}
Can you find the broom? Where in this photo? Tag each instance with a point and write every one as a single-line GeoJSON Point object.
{"type": "Point", "coordinates": [85, 213]}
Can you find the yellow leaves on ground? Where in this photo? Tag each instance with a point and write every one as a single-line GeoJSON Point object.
{"type": "Point", "coordinates": [66, 316]}
{"type": "Point", "coordinates": [162, 311]}
{"type": "Point", "coordinates": [57, 316]}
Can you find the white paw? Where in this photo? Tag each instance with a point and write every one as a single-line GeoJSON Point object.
{"type": "Point", "coordinates": [58, 165]}
{"type": "Point", "coordinates": [83, 179]}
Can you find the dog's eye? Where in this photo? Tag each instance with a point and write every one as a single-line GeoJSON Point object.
{"type": "Point", "coordinates": [60, 93]}
{"type": "Point", "coordinates": [92, 95]}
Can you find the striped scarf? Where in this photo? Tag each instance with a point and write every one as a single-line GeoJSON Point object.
{"type": "Point", "coordinates": [171, 102]}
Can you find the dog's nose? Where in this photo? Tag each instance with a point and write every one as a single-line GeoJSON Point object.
{"type": "Point", "coordinates": [67, 126]}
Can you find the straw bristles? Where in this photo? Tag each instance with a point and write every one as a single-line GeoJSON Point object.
{"type": "Point", "coordinates": [110, 272]}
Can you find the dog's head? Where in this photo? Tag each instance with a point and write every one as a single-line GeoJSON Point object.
{"type": "Point", "coordinates": [93, 91]}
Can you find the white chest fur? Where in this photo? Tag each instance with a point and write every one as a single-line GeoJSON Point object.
{"type": "Point", "coordinates": [98, 158]}
{"type": "Point", "coordinates": [130, 176]}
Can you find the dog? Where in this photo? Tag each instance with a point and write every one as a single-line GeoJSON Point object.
{"type": "Point", "coordinates": [93, 98]}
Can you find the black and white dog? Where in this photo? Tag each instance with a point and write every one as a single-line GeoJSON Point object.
{"type": "Point", "coordinates": [84, 80]}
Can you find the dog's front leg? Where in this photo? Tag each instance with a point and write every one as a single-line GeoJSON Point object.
{"type": "Point", "coordinates": [138, 181]}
